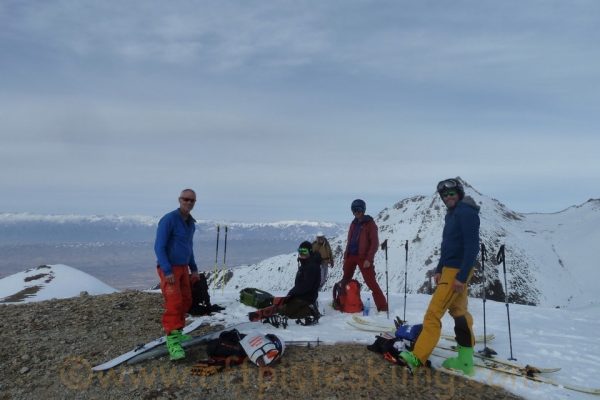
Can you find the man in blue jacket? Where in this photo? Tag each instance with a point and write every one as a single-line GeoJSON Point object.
{"type": "Point", "coordinates": [175, 254]}
{"type": "Point", "coordinates": [460, 245]}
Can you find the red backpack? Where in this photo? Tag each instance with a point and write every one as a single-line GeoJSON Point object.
{"type": "Point", "coordinates": [346, 296]}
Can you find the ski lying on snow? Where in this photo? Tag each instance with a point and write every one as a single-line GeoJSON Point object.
{"type": "Point", "coordinates": [195, 324]}
{"type": "Point", "coordinates": [509, 364]}
{"type": "Point", "coordinates": [366, 325]}
{"type": "Point", "coordinates": [494, 366]}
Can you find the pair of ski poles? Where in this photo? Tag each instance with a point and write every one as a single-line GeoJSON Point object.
{"type": "Point", "coordinates": [500, 258]}
{"type": "Point", "coordinates": [218, 278]}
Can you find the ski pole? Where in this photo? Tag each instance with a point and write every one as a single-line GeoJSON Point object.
{"type": "Point", "coordinates": [501, 258]}
{"type": "Point", "coordinates": [405, 276]}
{"type": "Point", "coordinates": [216, 258]}
{"type": "Point", "coordinates": [486, 352]}
{"type": "Point", "coordinates": [307, 343]}
{"type": "Point", "coordinates": [224, 261]}
{"type": "Point", "coordinates": [387, 293]}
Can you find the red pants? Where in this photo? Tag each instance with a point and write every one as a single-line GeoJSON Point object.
{"type": "Point", "coordinates": [268, 311]}
{"type": "Point", "coordinates": [368, 274]}
{"type": "Point", "coordinates": [178, 297]}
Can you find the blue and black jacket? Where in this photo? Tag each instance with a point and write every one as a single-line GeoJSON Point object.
{"type": "Point", "coordinates": [460, 240]}
{"type": "Point", "coordinates": [174, 243]}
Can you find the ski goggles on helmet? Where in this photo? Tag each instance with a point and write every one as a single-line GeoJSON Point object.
{"type": "Point", "coordinates": [448, 192]}
{"type": "Point", "coordinates": [303, 251]}
{"type": "Point", "coordinates": [447, 184]}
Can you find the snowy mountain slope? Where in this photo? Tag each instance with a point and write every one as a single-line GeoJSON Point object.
{"type": "Point", "coordinates": [549, 257]}
{"type": "Point", "coordinates": [47, 282]}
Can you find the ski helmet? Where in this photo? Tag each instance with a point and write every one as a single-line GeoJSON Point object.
{"type": "Point", "coordinates": [358, 205]}
{"type": "Point", "coordinates": [263, 349]}
{"type": "Point", "coordinates": [451, 184]}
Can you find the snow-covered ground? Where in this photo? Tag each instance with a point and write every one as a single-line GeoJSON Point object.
{"type": "Point", "coordinates": [544, 337]}
{"type": "Point", "coordinates": [49, 282]}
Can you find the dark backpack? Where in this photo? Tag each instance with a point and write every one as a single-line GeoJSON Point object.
{"type": "Point", "coordinates": [404, 340]}
{"type": "Point", "coordinates": [227, 347]}
{"type": "Point", "coordinates": [256, 298]}
{"type": "Point", "coordinates": [346, 296]}
{"type": "Point", "coordinates": [200, 297]}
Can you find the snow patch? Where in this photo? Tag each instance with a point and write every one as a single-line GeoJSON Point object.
{"type": "Point", "coordinates": [49, 282]}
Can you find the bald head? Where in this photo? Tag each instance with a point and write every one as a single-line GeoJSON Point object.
{"type": "Point", "coordinates": [187, 200]}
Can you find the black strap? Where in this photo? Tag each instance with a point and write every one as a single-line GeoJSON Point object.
{"type": "Point", "coordinates": [277, 321]}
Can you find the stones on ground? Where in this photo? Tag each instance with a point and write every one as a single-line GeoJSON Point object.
{"type": "Point", "coordinates": [58, 348]}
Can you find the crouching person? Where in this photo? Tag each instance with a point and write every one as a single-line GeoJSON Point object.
{"type": "Point", "coordinates": [300, 302]}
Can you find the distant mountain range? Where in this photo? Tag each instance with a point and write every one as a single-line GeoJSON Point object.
{"type": "Point", "coordinates": [550, 258]}
{"type": "Point", "coordinates": [26, 228]}
{"type": "Point", "coordinates": [119, 249]}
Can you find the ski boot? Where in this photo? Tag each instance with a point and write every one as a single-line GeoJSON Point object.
{"type": "Point", "coordinates": [176, 352]}
{"type": "Point", "coordinates": [182, 336]}
{"type": "Point", "coordinates": [464, 361]}
{"type": "Point", "coordinates": [409, 360]}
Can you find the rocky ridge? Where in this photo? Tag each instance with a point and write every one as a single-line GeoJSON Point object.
{"type": "Point", "coordinates": [49, 347]}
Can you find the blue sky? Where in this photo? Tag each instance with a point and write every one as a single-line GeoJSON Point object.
{"type": "Point", "coordinates": [291, 109]}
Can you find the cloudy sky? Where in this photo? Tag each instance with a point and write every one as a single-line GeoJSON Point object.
{"type": "Point", "coordinates": [291, 109]}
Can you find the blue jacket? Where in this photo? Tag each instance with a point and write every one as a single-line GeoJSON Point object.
{"type": "Point", "coordinates": [460, 240]}
{"type": "Point", "coordinates": [174, 243]}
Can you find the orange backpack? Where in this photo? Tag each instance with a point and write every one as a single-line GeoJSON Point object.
{"type": "Point", "coordinates": [346, 296]}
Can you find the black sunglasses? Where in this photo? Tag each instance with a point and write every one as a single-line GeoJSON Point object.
{"type": "Point", "coordinates": [187, 199]}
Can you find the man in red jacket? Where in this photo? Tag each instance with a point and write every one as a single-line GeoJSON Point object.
{"type": "Point", "coordinates": [361, 247]}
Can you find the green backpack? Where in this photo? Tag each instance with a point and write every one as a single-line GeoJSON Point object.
{"type": "Point", "coordinates": [256, 298]}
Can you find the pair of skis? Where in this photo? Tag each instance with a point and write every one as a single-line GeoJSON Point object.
{"type": "Point", "coordinates": [481, 361]}
{"type": "Point", "coordinates": [370, 326]}
{"type": "Point", "coordinates": [156, 348]}
{"type": "Point", "coordinates": [528, 372]}
{"type": "Point", "coordinates": [196, 340]}
{"type": "Point", "coordinates": [139, 349]}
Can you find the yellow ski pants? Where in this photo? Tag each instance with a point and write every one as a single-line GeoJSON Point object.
{"type": "Point", "coordinates": [445, 299]}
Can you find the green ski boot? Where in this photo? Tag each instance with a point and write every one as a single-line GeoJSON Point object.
{"type": "Point", "coordinates": [182, 336]}
{"type": "Point", "coordinates": [412, 362]}
{"type": "Point", "coordinates": [464, 361]}
{"type": "Point", "coordinates": [174, 345]}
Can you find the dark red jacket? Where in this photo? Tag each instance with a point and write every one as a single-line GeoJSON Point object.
{"type": "Point", "coordinates": [368, 241]}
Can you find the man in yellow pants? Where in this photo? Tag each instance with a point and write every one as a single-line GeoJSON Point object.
{"type": "Point", "coordinates": [460, 245]}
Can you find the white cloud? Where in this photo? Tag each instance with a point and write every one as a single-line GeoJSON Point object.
{"type": "Point", "coordinates": [250, 100]}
